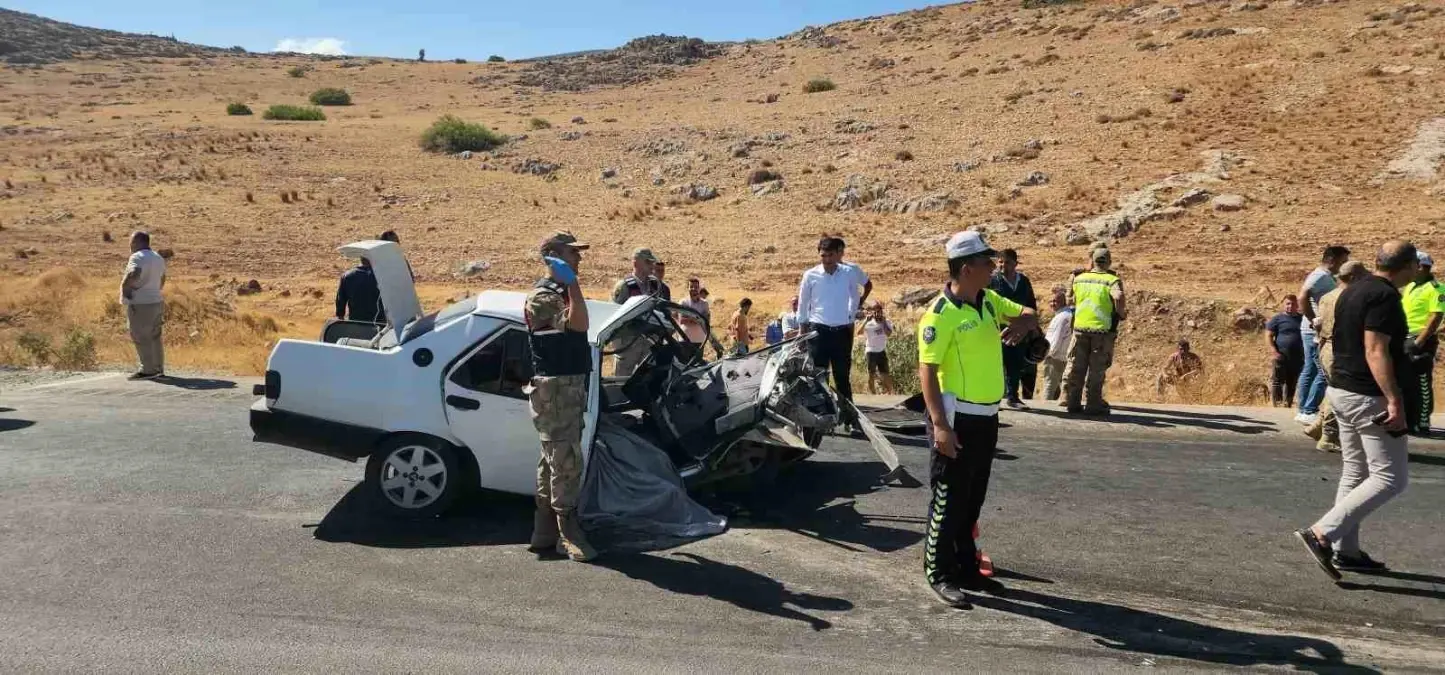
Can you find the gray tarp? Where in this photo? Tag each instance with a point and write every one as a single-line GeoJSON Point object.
{"type": "Point", "coordinates": [632, 498]}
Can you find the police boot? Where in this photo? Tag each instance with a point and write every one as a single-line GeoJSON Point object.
{"type": "Point", "coordinates": [544, 529]}
{"type": "Point", "coordinates": [574, 542]}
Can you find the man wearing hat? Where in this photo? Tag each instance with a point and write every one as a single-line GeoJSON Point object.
{"type": "Point", "coordinates": [556, 315]}
{"type": "Point", "coordinates": [960, 367]}
{"type": "Point", "coordinates": [642, 281]}
{"type": "Point", "coordinates": [1424, 300]}
{"type": "Point", "coordinates": [1098, 299]}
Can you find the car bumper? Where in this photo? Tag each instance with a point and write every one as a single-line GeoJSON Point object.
{"type": "Point", "coordinates": [313, 434]}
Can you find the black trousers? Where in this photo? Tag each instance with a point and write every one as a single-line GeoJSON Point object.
{"type": "Point", "coordinates": [1018, 372]}
{"type": "Point", "coordinates": [959, 487]}
{"type": "Point", "coordinates": [833, 350]}
{"type": "Point", "coordinates": [1285, 375]}
{"type": "Point", "coordinates": [1419, 394]}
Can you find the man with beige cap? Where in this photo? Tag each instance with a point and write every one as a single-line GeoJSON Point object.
{"type": "Point", "coordinates": [1098, 299]}
{"type": "Point", "coordinates": [557, 324]}
{"type": "Point", "coordinates": [1326, 431]}
{"type": "Point", "coordinates": [642, 281]}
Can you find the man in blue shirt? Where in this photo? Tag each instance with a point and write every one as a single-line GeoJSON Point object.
{"type": "Point", "coordinates": [1312, 384]}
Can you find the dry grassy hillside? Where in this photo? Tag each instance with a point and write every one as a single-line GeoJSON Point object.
{"type": "Point", "coordinates": [1049, 127]}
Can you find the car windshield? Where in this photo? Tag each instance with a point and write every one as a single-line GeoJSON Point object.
{"type": "Point", "coordinates": [664, 324]}
{"type": "Point", "coordinates": [429, 322]}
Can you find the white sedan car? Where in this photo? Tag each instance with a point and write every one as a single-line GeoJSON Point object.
{"type": "Point", "coordinates": [435, 402]}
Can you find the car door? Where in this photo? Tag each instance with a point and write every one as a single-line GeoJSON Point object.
{"type": "Point", "coordinates": [487, 410]}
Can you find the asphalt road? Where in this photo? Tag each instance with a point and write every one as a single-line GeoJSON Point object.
{"type": "Point", "coordinates": [141, 530]}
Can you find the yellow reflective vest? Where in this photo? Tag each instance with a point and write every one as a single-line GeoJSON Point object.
{"type": "Point", "coordinates": [1093, 303]}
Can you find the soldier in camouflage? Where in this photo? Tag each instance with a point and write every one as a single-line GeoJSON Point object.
{"type": "Point", "coordinates": [556, 315]}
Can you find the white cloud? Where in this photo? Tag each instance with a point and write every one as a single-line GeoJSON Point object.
{"type": "Point", "coordinates": [328, 46]}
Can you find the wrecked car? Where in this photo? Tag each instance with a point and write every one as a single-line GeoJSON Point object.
{"type": "Point", "coordinates": [435, 402]}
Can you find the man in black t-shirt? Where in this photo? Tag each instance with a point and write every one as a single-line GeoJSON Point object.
{"type": "Point", "coordinates": [1369, 367]}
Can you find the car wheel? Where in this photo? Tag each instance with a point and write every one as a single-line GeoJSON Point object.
{"type": "Point", "coordinates": [415, 476]}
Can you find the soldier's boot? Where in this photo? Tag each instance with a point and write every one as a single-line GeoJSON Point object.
{"type": "Point", "coordinates": [544, 529]}
{"type": "Point", "coordinates": [574, 542]}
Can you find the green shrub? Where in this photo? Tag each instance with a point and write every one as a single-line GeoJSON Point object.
{"type": "Point", "coordinates": [296, 71]}
{"type": "Point", "coordinates": [238, 109]}
{"type": "Point", "coordinates": [451, 134]}
{"type": "Point", "coordinates": [37, 345]}
{"type": "Point", "coordinates": [459, 60]}
{"type": "Point", "coordinates": [330, 96]}
{"type": "Point", "coordinates": [77, 351]}
{"type": "Point", "coordinates": [298, 113]}
{"type": "Point", "coordinates": [818, 85]}
{"type": "Point", "coordinates": [538, 124]}
{"type": "Point", "coordinates": [902, 353]}
{"type": "Point", "coordinates": [495, 59]}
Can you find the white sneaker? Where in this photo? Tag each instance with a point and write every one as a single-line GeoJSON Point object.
{"type": "Point", "coordinates": [1307, 420]}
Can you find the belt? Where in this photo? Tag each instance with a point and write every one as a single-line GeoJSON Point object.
{"type": "Point", "coordinates": [958, 406]}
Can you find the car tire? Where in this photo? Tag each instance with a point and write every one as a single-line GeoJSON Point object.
{"type": "Point", "coordinates": [415, 476]}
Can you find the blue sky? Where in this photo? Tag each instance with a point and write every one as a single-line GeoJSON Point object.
{"type": "Point", "coordinates": [455, 29]}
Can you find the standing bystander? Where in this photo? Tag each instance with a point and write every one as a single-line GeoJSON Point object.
{"type": "Point", "coordinates": [1060, 333]}
{"type": "Point", "coordinates": [876, 331]}
{"type": "Point", "coordinates": [145, 309]}
{"type": "Point", "coordinates": [1312, 384]}
{"type": "Point", "coordinates": [1283, 335]}
{"type": "Point", "coordinates": [1020, 375]}
{"type": "Point", "coordinates": [738, 330]}
{"type": "Point", "coordinates": [828, 304]}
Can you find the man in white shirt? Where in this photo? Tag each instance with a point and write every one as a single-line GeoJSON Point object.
{"type": "Point", "coordinates": [1061, 331]}
{"type": "Point", "coordinates": [828, 303]}
{"type": "Point", "coordinates": [789, 321]}
{"type": "Point", "coordinates": [140, 293]}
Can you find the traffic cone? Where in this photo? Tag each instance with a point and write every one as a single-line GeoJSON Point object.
{"type": "Point", "coordinates": [985, 564]}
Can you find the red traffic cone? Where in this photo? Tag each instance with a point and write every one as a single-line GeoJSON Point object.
{"type": "Point", "coordinates": [985, 564]}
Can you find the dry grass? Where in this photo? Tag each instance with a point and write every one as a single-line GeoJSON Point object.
{"type": "Point", "coordinates": [200, 333]}
{"type": "Point", "coordinates": [157, 152]}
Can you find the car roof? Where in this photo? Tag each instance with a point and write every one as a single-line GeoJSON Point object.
{"type": "Point", "coordinates": [509, 305]}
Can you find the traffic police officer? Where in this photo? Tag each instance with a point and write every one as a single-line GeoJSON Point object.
{"type": "Point", "coordinates": [1098, 299]}
{"type": "Point", "coordinates": [1424, 301]}
{"type": "Point", "coordinates": [556, 315]}
{"type": "Point", "coordinates": [960, 366]}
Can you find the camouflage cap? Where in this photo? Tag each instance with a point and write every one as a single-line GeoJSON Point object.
{"type": "Point", "coordinates": [645, 254]}
{"type": "Point", "coordinates": [559, 239]}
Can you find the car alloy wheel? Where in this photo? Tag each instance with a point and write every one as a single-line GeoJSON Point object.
{"type": "Point", "coordinates": [413, 477]}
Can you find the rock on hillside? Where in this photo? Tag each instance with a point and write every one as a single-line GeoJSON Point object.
{"type": "Point", "coordinates": [29, 39]}
{"type": "Point", "coordinates": [640, 60]}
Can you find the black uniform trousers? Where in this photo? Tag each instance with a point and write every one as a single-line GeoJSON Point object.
{"type": "Point", "coordinates": [832, 349]}
{"type": "Point", "coordinates": [1419, 394]}
{"type": "Point", "coordinates": [959, 487]}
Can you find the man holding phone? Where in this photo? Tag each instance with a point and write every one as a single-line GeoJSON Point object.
{"type": "Point", "coordinates": [556, 315]}
{"type": "Point", "coordinates": [1365, 393]}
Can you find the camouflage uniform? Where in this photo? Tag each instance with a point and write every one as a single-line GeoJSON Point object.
{"type": "Point", "coordinates": [558, 404]}
{"type": "Point", "coordinates": [636, 348]}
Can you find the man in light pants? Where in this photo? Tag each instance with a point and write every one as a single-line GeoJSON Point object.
{"type": "Point", "coordinates": [140, 293]}
{"type": "Point", "coordinates": [1365, 393]}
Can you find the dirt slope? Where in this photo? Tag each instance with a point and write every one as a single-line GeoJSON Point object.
{"type": "Point", "coordinates": [1220, 145]}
